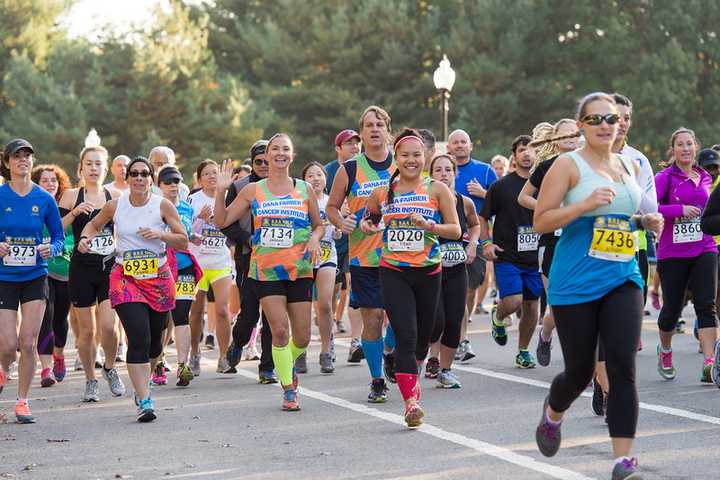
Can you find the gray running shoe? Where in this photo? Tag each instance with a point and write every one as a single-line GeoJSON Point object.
{"type": "Point", "coordinates": [715, 372]}
{"type": "Point", "coordinates": [194, 364]}
{"type": "Point", "coordinates": [326, 364]}
{"type": "Point", "coordinates": [301, 363]}
{"type": "Point", "coordinates": [547, 435]}
{"type": "Point", "coordinates": [447, 379]}
{"type": "Point", "coordinates": [626, 469]}
{"type": "Point", "coordinates": [224, 367]}
{"type": "Point", "coordinates": [78, 366]}
{"type": "Point", "coordinates": [91, 391]}
{"type": "Point", "coordinates": [543, 351]}
{"type": "Point", "coordinates": [356, 353]}
{"type": "Point", "coordinates": [116, 385]}
{"type": "Point", "coordinates": [460, 352]}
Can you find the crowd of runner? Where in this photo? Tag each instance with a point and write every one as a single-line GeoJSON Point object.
{"type": "Point", "coordinates": [406, 241]}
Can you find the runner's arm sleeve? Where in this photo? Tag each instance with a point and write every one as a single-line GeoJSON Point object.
{"type": "Point", "coordinates": [710, 222]}
{"type": "Point", "coordinates": [646, 181]}
{"type": "Point", "coordinates": [662, 184]}
{"type": "Point", "coordinates": [55, 229]}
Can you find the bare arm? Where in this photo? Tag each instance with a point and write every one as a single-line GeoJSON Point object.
{"type": "Point", "coordinates": [95, 225]}
{"type": "Point", "coordinates": [526, 199]}
{"type": "Point", "coordinates": [335, 202]}
{"type": "Point", "coordinates": [318, 229]}
{"type": "Point", "coordinates": [450, 228]}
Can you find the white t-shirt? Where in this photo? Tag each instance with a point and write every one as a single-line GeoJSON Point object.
{"type": "Point", "coordinates": [115, 187]}
{"type": "Point", "coordinates": [213, 253]}
{"type": "Point", "coordinates": [645, 178]}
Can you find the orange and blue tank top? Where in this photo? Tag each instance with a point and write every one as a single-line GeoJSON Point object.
{"type": "Point", "coordinates": [281, 230]}
{"type": "Point", "coordinates": [365, 250]}
{"type": "Point", "coordinates": [404, 244]}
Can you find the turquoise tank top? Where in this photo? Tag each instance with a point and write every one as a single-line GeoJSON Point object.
{"type": "Point", "coordinates": [576, 276]}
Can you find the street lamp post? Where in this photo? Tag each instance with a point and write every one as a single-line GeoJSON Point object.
{"type": "Point", "coordinates": [444, 79]}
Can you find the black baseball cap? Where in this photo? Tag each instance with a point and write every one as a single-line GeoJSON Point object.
{"type": "Point", "coordinates": [707, 157]}
{"type": "Point", "coordinates": [168, 173]}
{"type": "Point", "coordinates": [13, 146]}
{"type": "Point", "coordinates": [258, 148]}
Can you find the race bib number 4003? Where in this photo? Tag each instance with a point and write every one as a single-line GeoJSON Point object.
{"type": "Point", "coordinates": [277, 234]}
{"type": "Point", "coordinates": [22, 253]}
{"type": "Point", "coordinates": [612, 240]}
{"type": "Point", "coordinates": [686, 230]}
{"type": "Point", "coordinates": [527, 239]}
{"type": "Point", "coordinates": [452, 253]}
{"type": "Point", "coordinates": [140, 264]}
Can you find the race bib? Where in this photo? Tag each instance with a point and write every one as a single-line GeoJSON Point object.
{"type": "Point", "coordinates": [23, 253]}
{"type": "Point", "coordinates": [277, 234]}
{"type": "Point", "coordinates": [452, 253]}
{"type": "Point", "coordinates": [213, 241]}
{"type": "Point", "coordinates": [612, 240]}
{"type": "Point", "coordinates": [140, 264]}
{"type": "Point", "coordinates": [686, 230]}
{"type": "Point", "coordinates": [325, 251]}
{"type": "Point", "coordinates": [527, 239]}
{"type": "Point", "coordinates": [185, 287]}
{"type": "Point", "coordinates": [405, 239]}
{"type": "Point", "coordinates": [103, 244]}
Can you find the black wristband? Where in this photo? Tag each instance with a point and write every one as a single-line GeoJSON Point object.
{"type": "Point", "coordinates": [83, 236]}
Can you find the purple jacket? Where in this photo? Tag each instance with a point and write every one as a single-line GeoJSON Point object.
{"type": "Point", "coordinates": [675, 189]}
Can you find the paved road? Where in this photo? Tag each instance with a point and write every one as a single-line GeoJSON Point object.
{"type": "Point", "coordinates": [230, 427]}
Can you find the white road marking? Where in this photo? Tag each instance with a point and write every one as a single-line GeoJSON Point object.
{"type": "Point", "coordinates": [481, 447]}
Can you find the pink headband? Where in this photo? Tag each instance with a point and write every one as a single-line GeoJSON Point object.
{"type": "Point", "coordinates": [409, 137]}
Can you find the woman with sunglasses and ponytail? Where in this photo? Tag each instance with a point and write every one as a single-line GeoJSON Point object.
{"type": "Point", "coordinates": [285, 246]}
{"type": "Point", "coordinates": [455, 254]}
{"type": "Point", "coordinates": [142, 288]}
{"type": "Point", "coordinates": [415, 211]}
{"type": "Point", "coordinates": [595, 287]}
{"type": "Point", "coordinates": [687, 257]}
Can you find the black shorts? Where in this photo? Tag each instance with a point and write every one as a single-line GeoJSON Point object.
{"type": "Point", "coordinates": [299, 290]}
{"type": "Point", "coordinates": [88, 284]}
{"type": "Point", "coordinates": [476, 272]}
{"type": "Point", "coordinates": [365, 288]}
{"type": "Point", "coordinates": [14, 294]}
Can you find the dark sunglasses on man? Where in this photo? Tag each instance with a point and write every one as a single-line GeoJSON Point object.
{"type": "Point", "coordinates": [136, 173]}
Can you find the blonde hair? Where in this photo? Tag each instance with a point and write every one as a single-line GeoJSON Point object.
{"type": "Point", "coordinates": [545, 143]}
{"type": "Point", "coordinates": [670, 157]}
{"type": "Point", "coordinates": [97, 149]}
{"type": "Point", "coordinates": [379, 112]}
{"type": "Point", "coordinates": [500, 158]}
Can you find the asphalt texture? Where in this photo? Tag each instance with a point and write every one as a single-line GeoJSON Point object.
{"type": "Point", "coordinates": [231, 427]}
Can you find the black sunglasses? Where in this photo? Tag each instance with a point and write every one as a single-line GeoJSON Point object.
{"type": "Point", "coordinates": [137, 173]}
{"type": "Point", "coordinates": [259, 162]}
{"type": "Point", "coordinates": [170, 181]}
{"type": "Point", "coordinates": [597, 119]}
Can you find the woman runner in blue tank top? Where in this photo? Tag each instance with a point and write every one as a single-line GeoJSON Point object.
{"type": "Point", "coordinates": [595, 287]}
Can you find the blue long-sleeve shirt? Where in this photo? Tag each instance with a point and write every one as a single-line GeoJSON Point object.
{"type": "Point", "coordinates": [22, 220]}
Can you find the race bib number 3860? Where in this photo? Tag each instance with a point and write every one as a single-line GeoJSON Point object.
{"type": "Point", "coordinates": [612, 240]}
{"type": "Point", "coordinates": [686, 230]}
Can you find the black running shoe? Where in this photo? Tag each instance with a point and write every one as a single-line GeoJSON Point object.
{"type": "Point", "coordinates": [389, 367]}
{"type": "Point", "coordinates": [378, 391]}
{"type": "Point", "coordinates": [432, 367]}
{"type": "Point", "coordinates": [233, 354]}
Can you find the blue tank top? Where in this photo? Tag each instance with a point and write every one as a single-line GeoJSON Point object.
{"type": "Point", "coordinates": [577, 274]}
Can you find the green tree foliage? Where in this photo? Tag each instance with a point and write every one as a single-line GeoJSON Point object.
{"type": "Point", "coordinates": [208, 79]}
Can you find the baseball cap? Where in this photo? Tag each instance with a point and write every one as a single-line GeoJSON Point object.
{"type": "Point", "coordinates": [344, 136]}
{"type": "Point", "coordinates": [14, 145]}
{"type": "Point", "coordinates": [708, 156]}
{"type": "Point", "coordinates": [168, 173]}
{"type": "Point", "coordinates": [258, 148]}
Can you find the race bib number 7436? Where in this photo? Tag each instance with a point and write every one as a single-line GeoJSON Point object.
{"type": "Point", "coordinates": [612, 239]}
